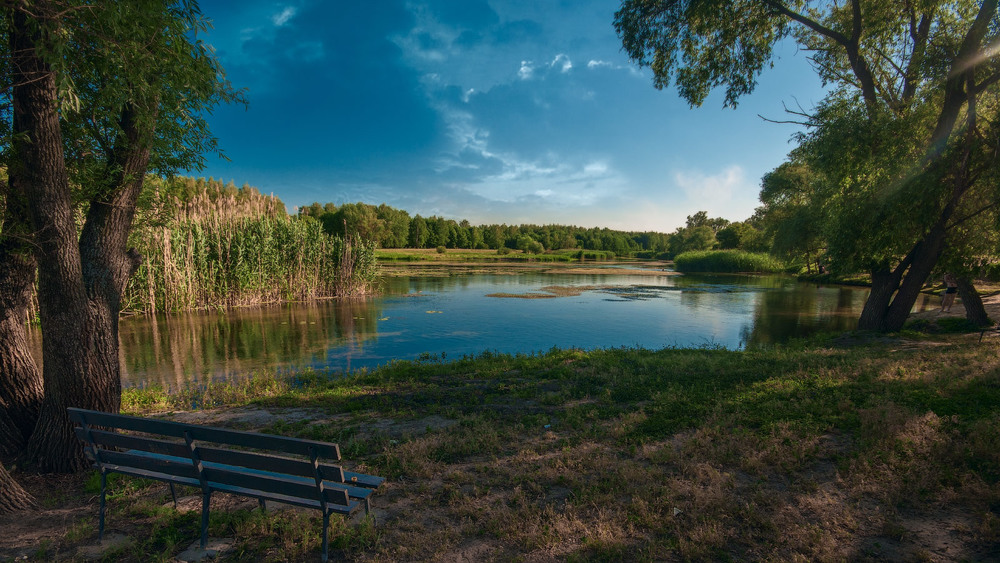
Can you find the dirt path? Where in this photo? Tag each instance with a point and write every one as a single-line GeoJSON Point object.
{"type": "Point", "coordinates": [991, 304]}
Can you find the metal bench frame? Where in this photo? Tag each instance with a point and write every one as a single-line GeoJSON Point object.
{"type": "Point", "coordinates": [308, 482]}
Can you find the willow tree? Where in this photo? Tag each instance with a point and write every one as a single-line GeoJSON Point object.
{"type": "Point", "coordinates": [922, 67]}
{"type": "Point", "coordinates": [96, 94]}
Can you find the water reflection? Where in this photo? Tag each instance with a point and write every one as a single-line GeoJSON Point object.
{"type": "Point", "coordinates": [782, 315]}
{"type": "Point", "coordinates": [171, 350]}
{"type": "Point", "coordinates": [452, 316]}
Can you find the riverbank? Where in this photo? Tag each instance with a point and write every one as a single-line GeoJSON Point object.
{"type": "Point", "coordinates": [846, 448]}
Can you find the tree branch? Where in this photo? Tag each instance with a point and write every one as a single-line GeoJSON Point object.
{"type": "Point", "coordinates": [850, 45]}
{"type": "Point", "coordinates": [954, 87]}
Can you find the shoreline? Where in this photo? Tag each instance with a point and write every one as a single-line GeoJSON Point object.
{"type": "Point", "coordinates": [838, 449]}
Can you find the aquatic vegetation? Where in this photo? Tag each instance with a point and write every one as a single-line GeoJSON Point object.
{"type": "Point", "coordinates": [206, 245]}
{"type": "Point", "coordinates": [723, 261]}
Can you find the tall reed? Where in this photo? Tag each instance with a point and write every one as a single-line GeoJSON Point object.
{"type": "Point", "coordinates": [209, 245]}
{"type": "Point", "coordinates": [727, 261]}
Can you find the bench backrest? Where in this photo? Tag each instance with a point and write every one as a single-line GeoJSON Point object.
{"type": "Point", "coordinates": [198, 463]}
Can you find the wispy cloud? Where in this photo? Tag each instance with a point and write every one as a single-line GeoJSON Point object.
{"type": "Point", "coordinates": [562, 62]}
{"type": "Point", "coordinates": [727, 193]}
{"type": "Point", "coordinates": [527, 71]}
{"type": "Point", "coordinates": [281, 18]}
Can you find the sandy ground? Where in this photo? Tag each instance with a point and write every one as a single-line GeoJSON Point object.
{"type": "Point", "coordinates": [932, 308]}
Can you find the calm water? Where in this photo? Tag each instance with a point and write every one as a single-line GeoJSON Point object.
{"type": "Point", "coordinates": [453, 316]}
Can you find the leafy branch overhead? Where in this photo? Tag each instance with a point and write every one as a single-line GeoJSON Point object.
{"type": "Point", "coordinates": [93, 96]}
{"type": "Point", "coordinates": [900, 153]}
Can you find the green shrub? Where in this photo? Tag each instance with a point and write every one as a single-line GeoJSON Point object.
{"type": "Point", "coordinates": [727, 261]}
{"type": "Point", "coordinates": [441, 250]}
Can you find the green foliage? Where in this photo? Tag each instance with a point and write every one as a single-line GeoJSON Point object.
{"type": "Point", "coordinates": [207, 245]}
{"type": "Point", "coordinates": [792, 213]}
{"type": "Point", "coordinates": [701, 45]}
{"type": "Point", "coordinates": [898, 166]}
{"type": "Point", "coordinates": [742, 235]}
{"type": "Point", "coordinates": [388, 227]}
{"type": "Point", "coordinates": [728, 261]}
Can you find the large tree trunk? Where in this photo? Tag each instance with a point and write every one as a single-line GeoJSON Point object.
{"type": "Point", "coordinates": [893, 296]}
{"type": "Point", "coordinates": [12, 496]}
{"type": "Point", "coordinates": [80, 280]}
{"type": "Point", "coordinates": [20, 382]}
{"type": "Point", "coordinates": [107, 266]}
{"type": "Point", "coordinates": [973, 303]}
{"type": "Point", "coordinates": [38, 170]}
{"type": "Point", "coordinates": [893, 293]}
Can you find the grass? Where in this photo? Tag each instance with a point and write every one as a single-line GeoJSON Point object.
{"type": "Point", "coordinates": [835, 449]}
{"type": "Point", "coordinates": [727, 261]}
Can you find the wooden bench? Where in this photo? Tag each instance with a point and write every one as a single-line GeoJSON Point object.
{"type": "Point", "coordinates": [186, 458]}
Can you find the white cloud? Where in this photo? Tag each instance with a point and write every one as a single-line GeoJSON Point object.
{"type": "Point", "coordinates": [562, 61]}
{"type": "Point", "coordinates": [725, 194]}
{"type": "Point", "coordinates": [282, 18]}
{"type": "Point", "coordinates": [597, 168]}
{"type": "Point", "coordinates": [597, 64]}
{"type": "Point", "coordinates": [527, 70]}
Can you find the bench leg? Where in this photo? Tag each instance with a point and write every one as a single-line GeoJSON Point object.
{"type": "Point", "coordinates": [100, 519]}
{"type": "Point", "coordinates": [205, 500]}
{"type": "Point", "coordinates": [368, 510]}
{"type": "Point", "coordinates": [263, 504]}
{"type": "Point", "coordinates": [173, 494]}
{"type": "Point", "coordinates": [326, 537]}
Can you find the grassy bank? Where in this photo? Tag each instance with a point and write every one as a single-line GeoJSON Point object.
{"type": "Point", "coordinates": [845, 449]}
{"type": "Point", "coordinates": [727, 261]}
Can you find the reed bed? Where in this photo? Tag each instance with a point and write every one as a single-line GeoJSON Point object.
{"type": "Point", "coordinates": [209, 245]}
{"type": "Point", "coordinates": [727, 261]}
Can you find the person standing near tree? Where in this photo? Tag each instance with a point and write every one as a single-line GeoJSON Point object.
{"type": "Point", "coordinates": [951, 290]}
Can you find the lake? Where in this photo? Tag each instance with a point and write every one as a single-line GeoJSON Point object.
{"type": "Point", "coordinates": [451, 316]}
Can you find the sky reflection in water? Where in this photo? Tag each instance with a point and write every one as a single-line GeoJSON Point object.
{"type": "Point", "coordinates": [452, 317]}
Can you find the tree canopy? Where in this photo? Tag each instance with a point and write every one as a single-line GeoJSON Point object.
{"type": "Point", "coordinates": [93, 95]}
{"type": "Point", "coordinates": [905, 141]}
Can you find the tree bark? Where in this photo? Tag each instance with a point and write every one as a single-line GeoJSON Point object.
{"type": "Point", "coordinates": [80, 280]}
{"type": "Point", "coordinates": [973, 303]}
{"type": "Point", "coordinates": [38, 170]}
{"type": "Point", "coordinates": [893, 293]}
{"type": "Point", "coordinates": [20, 382]}
{"type": "Point", "coordinates": [107, 265]}
{"type": "Point", "coordinates": [12, 496]}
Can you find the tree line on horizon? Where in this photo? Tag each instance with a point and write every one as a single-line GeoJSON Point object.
{"type": "Point", "coordinates": [389, 227]}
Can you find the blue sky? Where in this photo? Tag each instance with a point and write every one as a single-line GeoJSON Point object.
{"type": "Point", "coordinates": [499, 111]}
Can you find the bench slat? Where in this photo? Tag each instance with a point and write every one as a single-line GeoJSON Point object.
{"type": "Point", "coordinates": [363, 480]}
{"type": "Point", "coordinates": [156, 475]}
{"type": "Point", "coordinates": [265, 462]}
{"type": "Point", "coordinates": [114, 440]}
{"type": "Point", "coordinates": [205, 433]}
{"type": "Point", "coordinates": [173, 466]}
{"type": "Point", "coordinates": [307, 503]}
{"type": "Point", "coordinates": [353, 491]}
{"type": "Point", "coordinates": [274, 484]}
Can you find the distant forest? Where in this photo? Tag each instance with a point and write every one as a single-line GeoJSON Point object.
{"type": "Point", "coordinates": [389, 227]}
